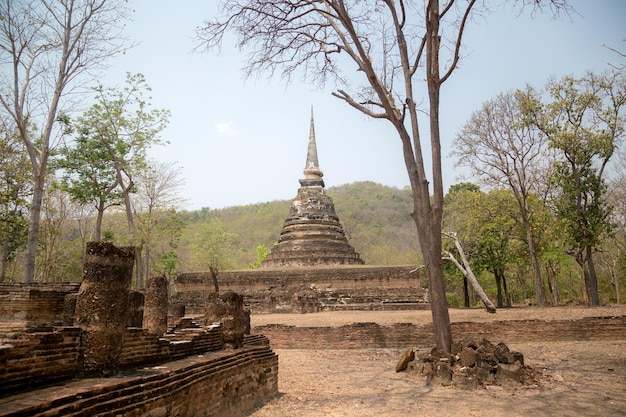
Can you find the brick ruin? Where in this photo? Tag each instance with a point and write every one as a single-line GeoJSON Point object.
{"type": "Point", "coordinates": [309, 290]}
{"type": "Point", "coordinates": [312, 234]}
{"type": "Point", "coordinates": [52, 367]}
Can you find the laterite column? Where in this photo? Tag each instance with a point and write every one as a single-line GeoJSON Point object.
{"type": "Point", "coordinates": [102, 306]}
{"type": "Point", "coordinates": [156, 306]}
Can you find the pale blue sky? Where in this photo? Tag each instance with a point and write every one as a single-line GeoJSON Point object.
{"type": "Point", "coordinates": [244, 141]}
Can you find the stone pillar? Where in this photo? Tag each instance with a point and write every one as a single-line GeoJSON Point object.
{"type": "Point", "coordinates": [156, 306]}
{"type": "Point", "coordinates": [69, 309]}
{"type": "Point", "coordinates": [102, 306]}
{"type": "Point", "coordinates": [176, 312]}
{"type": "Point", "coordinates": [215, 309]}
{"type": "Point", "coordinates": [135, 308]}
{"type": "Point", "coordinates": [234, 321]}
{"type": "Point", "coordinates": [227, 310]}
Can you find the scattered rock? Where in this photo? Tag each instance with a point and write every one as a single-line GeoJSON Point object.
{"type": "Point", "coordinates": [467, 357]}
{"type": "Point", "coordinates": [472, 365]}
{"type": "Point", "coordinates": [407, 356]}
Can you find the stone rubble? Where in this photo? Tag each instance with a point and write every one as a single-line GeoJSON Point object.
{"type": "Point", "coordinates": [471, 365]}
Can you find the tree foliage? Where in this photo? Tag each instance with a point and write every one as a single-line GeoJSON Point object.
{"type": "Point", "coordinates": [503, 150]}
{"type": "Point", "coordinates": [584, 124]}
{"type": "Point", "coordinates": [484, 226]}
{"type": "Point", "coordinates": [48, 49]}
{"type": "Point", "coordinates": [88, 174]}
{"type": "Point", "coordinates": [122, 125]}
{"type": "Point", "coordinates": [15, 187]}
{"type": "Point", "coordinates": [212, 246]}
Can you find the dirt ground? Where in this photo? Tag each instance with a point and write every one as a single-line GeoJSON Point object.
{"type": "Point", "coordinates": [579, 378]}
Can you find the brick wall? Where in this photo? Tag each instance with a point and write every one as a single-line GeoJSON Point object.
{"type": "Point", "coordinates": [217, 384]}
{"type": "Point", "coordinates": [45, 357]}
{"type": "Point", "coordinates": [41, 358]}
{"type": "Point", "coordinates": [32, 305]}
{"type": "Point", "coordinates": [284, 290]}
{"type": "Point", "coordinates": [372, 335]}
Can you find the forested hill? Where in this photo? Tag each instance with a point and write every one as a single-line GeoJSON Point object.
{"type": "Point", "coordinates": [375, 219]}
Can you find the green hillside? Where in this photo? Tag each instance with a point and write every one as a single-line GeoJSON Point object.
{"type": "Point", "coordinates": [375, 218]}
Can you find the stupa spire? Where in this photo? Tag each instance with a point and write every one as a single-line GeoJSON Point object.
{"type": "Point", "coordinates": [312, 234]}
{"type": "Point", "coordinates": [311, 169]}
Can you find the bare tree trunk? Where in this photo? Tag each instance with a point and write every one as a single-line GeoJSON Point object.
{"type": "Point", "coordinates": [466, 300]}
{"type": "Point", "coordinates": [591, 279]}
{"type": "Point", "coordinates": [433, 212]}
{"type": "Point", "coordinates": [467, 272]}
{"type": "Point", "coordinates": [553, 283]}
{"type": "Point", "coordinates": [126, 189]}
{"type": "Point", "coordinates": [522, 283]}
{"type": "Point", "coordinates": [498, 279]}
{"type": "Point", "coordinates": [97, 234]}
{"type": "Point", "coordinates": [507, 296]}
{"type": "Point", "coordinates": [4, 259]}
{"type": "Point", "coordinates": [614, 278]}
{"type": "Point", "coordinates": [30, 254]}
{"type": "Point", "coordinates": [139, 266]}
{"type": "Point", "coordinates": [213, 272]}
{"type": "Point", "coordinates": [146, 267]}
{"type": "Point", "coordinates": [534, 261]}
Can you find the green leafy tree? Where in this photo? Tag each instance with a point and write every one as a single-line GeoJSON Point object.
{"type": "Point", "coordinates": [15, 187]}
{"type": "Point", "coordinates": [47, 51]}
{"type": "Point", "coordinates": [584, 124]}
{"type": "Point", "coordinates": [213, 246]}
{"type": "Point", "coordinates": [503, 150]}
{"type": "Point", "coordinates": [88, 175]}
{"type": "Point", "coordinates": [484, 232]}
{"type": "Point", "coordinates": [124, 125]}
{"type": "Point", "coordinates": [261, 254]}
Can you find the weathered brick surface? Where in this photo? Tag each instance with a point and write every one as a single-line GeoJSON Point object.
{"type": "Point", "coordinates": [42, 358]}
{"type": "Point", "coordinates": [336, 288]}
{"type": "Point", "coordinates": [373, 335]}
{"type": "Point", "coordinates": [32, 305]}
{"type": "Point", "coordinates": [219, 384]}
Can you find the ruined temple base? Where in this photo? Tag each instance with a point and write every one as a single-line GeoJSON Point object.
{"type": "Point", "coordinates": [310, 289]}
{"type": "Point", "coordinates": [216, 384]}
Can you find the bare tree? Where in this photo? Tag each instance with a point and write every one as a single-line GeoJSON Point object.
{"type": "Point", "coordinates": [466, 270]}
{"type": "Point", "coordinates": [155, 207]}
{"type": "Point", "coordinates": [503, 151]}
{"type": "Point", "coordinates": [393, 44]}
{"type": "Point", "coordinates": [48, 49]}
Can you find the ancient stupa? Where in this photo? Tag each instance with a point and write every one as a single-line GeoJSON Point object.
{"type": "Point", "coordinates": [312, 234]}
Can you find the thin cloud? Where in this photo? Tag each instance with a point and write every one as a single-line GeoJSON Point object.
{"type": "Point", "coordinates": [225, 128]}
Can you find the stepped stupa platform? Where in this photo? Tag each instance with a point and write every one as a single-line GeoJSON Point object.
{"type": "Point", "coordinates": [312, 267]}
{"type": "Point", "coordinates": [312, 234]}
